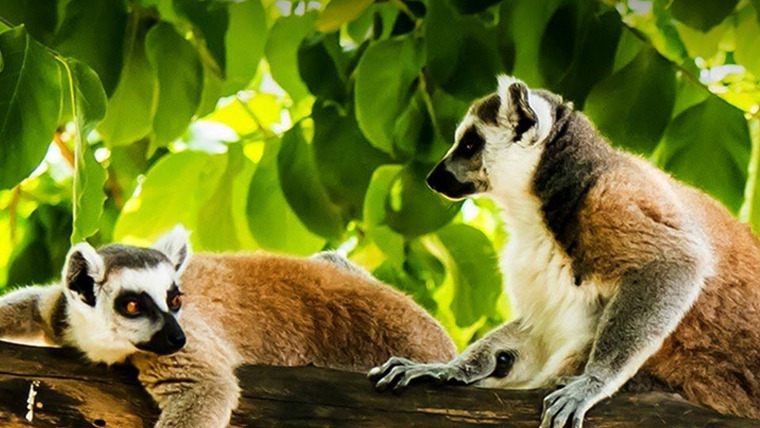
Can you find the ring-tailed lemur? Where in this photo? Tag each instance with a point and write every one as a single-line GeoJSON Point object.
{"type": "Point", "coordinates": [612, 266]}
{"type": "Point", "coordinates": [187, 322]}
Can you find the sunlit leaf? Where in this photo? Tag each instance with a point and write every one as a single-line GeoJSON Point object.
{"type": "Point", "coordinates": [383, 92]}
{"type": "Point", "coordinates": [93, 32]}
{"type": "Point", "coordinates": [473, 265]}
{"type": "Point", "coordinates": [129, 116]}
{"type": "Point", "coordinates": [182, 181]}
{"type": "Point", "coordinates": [244, 43]}
{"type": "Point", "coordinates": [89, 177]}
{"type": "Point", "coordinates": [272, 222]}
{"type": "Point", "coordinates": [747, 51]}
{"type": "Point", "coordinates": [180, 80]}
{"type": "Point", "coordinates": [212, 21]}
{"type": "Point", "coordinates": [345, 160]}
{"type": "Point", "coordinates": [30, 104]}
{"type": "Point", "coordinates": [303, 189]}
{"type": "Point", "coordinates": [282, 51]}
{"type": "Point", "coordinates": [411, 208]}
{"type": "Point", "coordinates": [338, 12]}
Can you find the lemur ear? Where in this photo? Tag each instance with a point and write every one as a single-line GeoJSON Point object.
{"type": "Point", "coordinates": [515, 106]}
{"type": "Point", "coordinates": [176, 246]}
{"type": "Point", "coordinates": [83, 269]}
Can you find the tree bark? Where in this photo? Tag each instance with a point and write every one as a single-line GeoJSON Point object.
{"type": "Point", "coordinates": [62, 390]}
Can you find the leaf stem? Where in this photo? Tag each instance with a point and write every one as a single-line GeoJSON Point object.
{"type": "Point", "coordinates": [64, 149]}
{"type": "Point", "coordinates": [408, 12]}
{"type": "Point", "coordinates": [424, 87]}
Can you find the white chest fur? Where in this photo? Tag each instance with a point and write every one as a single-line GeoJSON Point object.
{"type": "Point", "coordinates": [561, 316]}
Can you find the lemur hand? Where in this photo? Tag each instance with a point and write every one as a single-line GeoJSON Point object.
{"type": "Point", "coordinates": [574, 399]}
{"type": "Point", "coordinates": [399, 372]}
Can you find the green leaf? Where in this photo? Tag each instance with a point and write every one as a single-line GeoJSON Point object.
{"type": "Point", "coordinates": [693, 137]}
{"type": "Point", "coordinates": [578, 48]}
{"type": "Point", "coordinates": [182, 181]}
{"type": "Point", "coordinates": [90, 176]}
{"type": "Point", "coordinates": [702, 15]}
{"type": "Point", "coordinates": [318, 69]}
{"type": "Point", "coordinates": [463, 54]}
{"type": "Point", "coordinates": [211, 21]}
{"type": "Point", "coordinates": [303, 189]}
{"type": "Point", "coordinates": [377, 193]}
{"type": "Point", "coordinates": [747, 52]}
{"type": "Point", "coordinates": [30, 105]}
{"type": "Point", "coordinates": [345, 160]}
{"type": "Point", "coordinates": [632, 107]}
{"type": "Point", "coordinates": [244, 43]}
{"type": "Point", "coordinates": [129, 116]}
{"type": "Point", "coordinates": [383, 92]}
{"type": "Point", "coordinates": [703, 44]}
{"type": "Point", "coordinates": [93, 32]}
{"type": "Point", "coordinates": [473, 264]}
{"type": "Point", "coordinates": [226, 205]}
{"type": "Point", "coordinates": [272, 222]}
{"type": "Point", "coordinates": [411, 208]}
{"type": "Point", "coordinates": [338, 12]}
{"type": "Point", "coordinates": [281, 51]}
{"type": "Point", "coordinates": [473, 6]}
{"type": "Point", "coordinates": [180, 81]}
{"type": "Point", "coordinates": [39, 17]}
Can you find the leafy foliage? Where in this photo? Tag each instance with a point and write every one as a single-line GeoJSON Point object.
{"type": "Point", "coordinates": [297, 126]}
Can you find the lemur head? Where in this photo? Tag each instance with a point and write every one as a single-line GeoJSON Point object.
{"type": "Point", "coordinates": [123, 299]}
{"type": "Point", "coordinates": [498, 143]}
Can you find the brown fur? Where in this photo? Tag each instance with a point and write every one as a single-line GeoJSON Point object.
{"type": "Point", "coordinates": [634, 215]}
{"type": "Point", "coordinates": [290, 311]}
{"type": "Point", "coordinates": [267, 309]}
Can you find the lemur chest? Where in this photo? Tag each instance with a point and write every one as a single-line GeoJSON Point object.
{"type": "Point", "coordinates": [541, 285]}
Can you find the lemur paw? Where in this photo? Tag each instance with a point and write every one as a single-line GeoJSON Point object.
{"type": "Point", "coordinates": [573, 400]}
{"type": "Point", "coordinates": [399, 372]}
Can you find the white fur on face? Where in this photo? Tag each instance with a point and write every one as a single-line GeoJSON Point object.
{"type": "Point", "coordinates": [102, 333]}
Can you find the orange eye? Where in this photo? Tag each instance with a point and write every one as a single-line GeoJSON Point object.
{"type": "Point", "coordinates": [132, 307]}
{"type": "Point", "coordinates": [176, 302]}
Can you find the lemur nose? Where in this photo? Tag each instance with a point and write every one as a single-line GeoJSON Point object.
{"type": "Point", "coordinates": [178, 340]}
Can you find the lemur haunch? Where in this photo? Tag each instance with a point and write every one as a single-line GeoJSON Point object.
{"type": "Point", "coordinates": [187, 322]}
{"type": "Point", "coordinates": [613, 267]}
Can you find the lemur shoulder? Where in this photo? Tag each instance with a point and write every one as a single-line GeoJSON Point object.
{"type": "Point", "coordinates": [613, 267]}
{"type": "Point", "coordinates": [186, 322]}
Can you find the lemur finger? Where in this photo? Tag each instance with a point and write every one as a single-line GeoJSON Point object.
{"type": "Point", "coordinates": [390, 378]}
{"type": "Point", "coordinates": [416, 373]}
{"type": "Point", "coordinates": [561, 415]}
{"type": "Point", "coordinates": [551, 410]}
{"type": "Point", "coordinates": [378, 372]}
{"type": "Point", "coordinates": [578, 419]}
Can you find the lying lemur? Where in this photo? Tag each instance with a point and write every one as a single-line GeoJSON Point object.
{"type": "Point", "coordinates": [613, 267]}
{"type": "Point", "coordinates": [187, 322]}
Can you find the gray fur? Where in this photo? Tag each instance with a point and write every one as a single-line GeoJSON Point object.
{"type": "Point", "coordinates": [340, 261]}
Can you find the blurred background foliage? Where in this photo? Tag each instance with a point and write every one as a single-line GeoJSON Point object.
{"type": "Point", "coordinates": [297, 126]}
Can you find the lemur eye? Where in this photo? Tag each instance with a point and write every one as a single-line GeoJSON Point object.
{"type": "Point", "coordinates": [132, 307]}
{"type": "Point", "coordinates": [175, 302]}
{"type": "Point", "coordinates": [469, 147]}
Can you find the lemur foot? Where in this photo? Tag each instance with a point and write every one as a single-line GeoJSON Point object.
{"type": "Point", "coordinates": [399, 372]}
{"type": "Point", "coordinates": [574, 399]}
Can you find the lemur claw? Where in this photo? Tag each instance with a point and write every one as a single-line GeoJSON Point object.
{"type": "Point", "coordinates": [400, 372]}
{"type": "Point", "coordinates": [573, 400]}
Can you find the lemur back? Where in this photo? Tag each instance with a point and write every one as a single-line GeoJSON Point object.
{"type": "Point", "coordinates": [290, 311]}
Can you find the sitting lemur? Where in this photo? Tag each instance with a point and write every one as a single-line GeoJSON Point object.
{"type": "Point", "coordinates": [613, 267]}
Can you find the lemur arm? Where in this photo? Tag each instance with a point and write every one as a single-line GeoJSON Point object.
{"type": "Point", "coordinates": [492, 356]}
{"type": "Point", "coordinates": [20, 313]}
{"type": "Point", "coordinates": [649, 304]}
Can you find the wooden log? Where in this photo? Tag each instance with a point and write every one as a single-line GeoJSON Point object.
{"type": "Point", "coordinates": [69, 392]}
